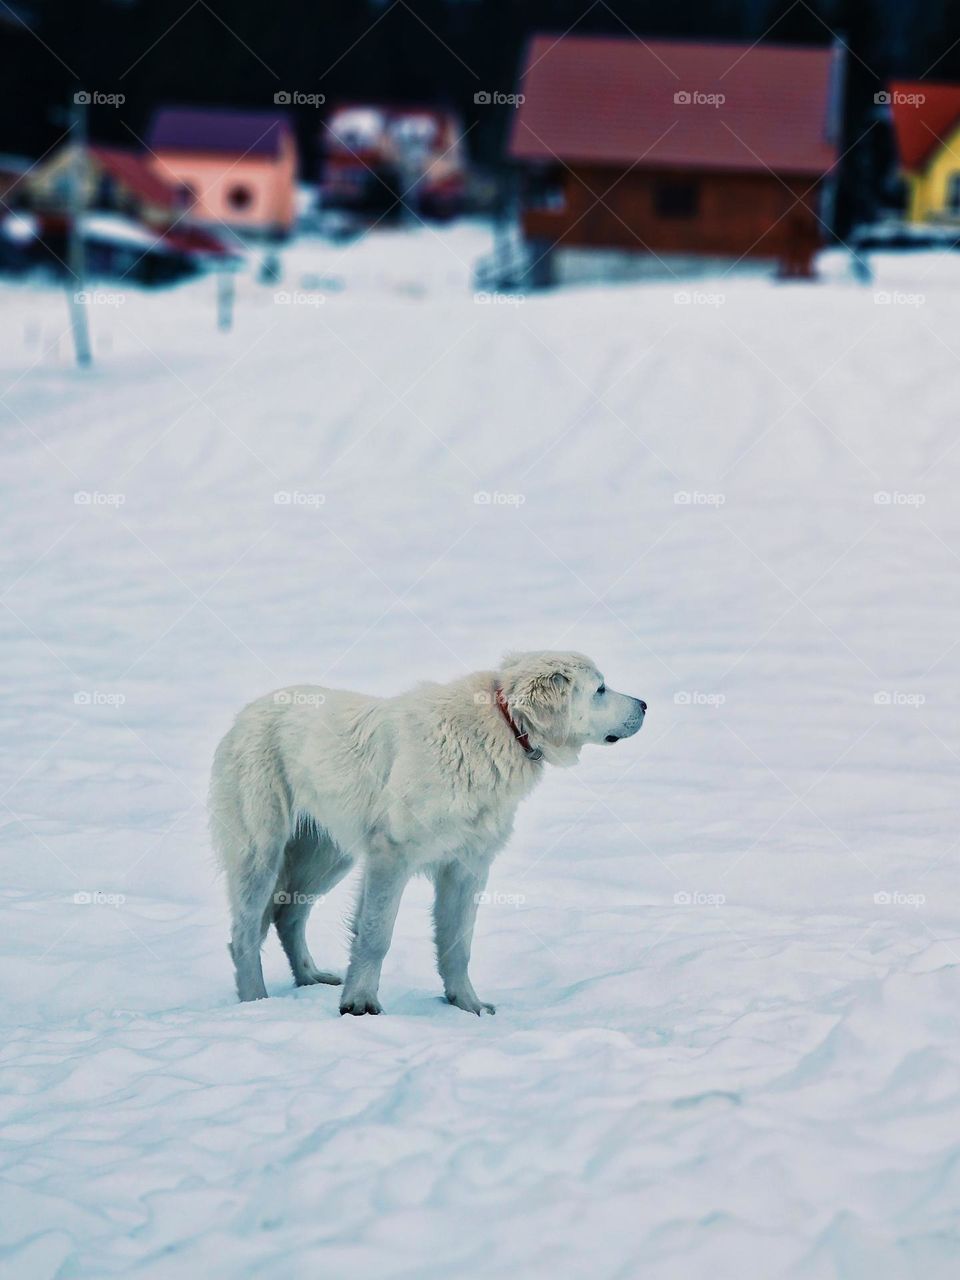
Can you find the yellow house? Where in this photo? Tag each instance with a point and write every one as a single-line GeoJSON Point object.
{"type": "Point", "coordinates": [926, 122]}
{"type": "Point", "coordinates": [112, 178]}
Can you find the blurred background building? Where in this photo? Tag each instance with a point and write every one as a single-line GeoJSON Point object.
{"type": "Point", "coordinates": [748, 129]}
{"type": "Point", "coordinates": [680, 147]}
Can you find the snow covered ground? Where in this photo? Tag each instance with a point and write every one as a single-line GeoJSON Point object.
{"type": "Point", "coordinates": [725, 954]}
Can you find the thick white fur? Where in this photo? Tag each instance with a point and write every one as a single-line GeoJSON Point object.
{"type": "Point", "coordinates": [309, 781]}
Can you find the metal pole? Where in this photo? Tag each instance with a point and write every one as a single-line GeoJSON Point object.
{"type": "Point", "coordinates": [76, 258]}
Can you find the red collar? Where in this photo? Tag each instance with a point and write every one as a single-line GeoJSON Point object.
{"type": "Point", "coordinates": [532, 753]}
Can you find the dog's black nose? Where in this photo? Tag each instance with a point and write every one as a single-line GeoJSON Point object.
{"type": "Point", "coordinates": [643, 705]}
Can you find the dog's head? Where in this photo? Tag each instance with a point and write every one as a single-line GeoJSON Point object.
{"type": "Point", "coordinates": [563, 702]}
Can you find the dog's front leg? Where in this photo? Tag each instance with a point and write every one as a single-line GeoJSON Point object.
{"type": "Point", "coordinates": [458, 891]}
{"type": "Point", "coordinates": [383, 884]}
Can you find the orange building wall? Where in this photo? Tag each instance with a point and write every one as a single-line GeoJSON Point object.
{"type": "Point", "coordinates": [270, 182]}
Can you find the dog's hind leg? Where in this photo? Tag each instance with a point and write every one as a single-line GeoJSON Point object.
{"type": "Point", "coordinates": [312, 866]}
{"type": "Point", "coordinates": [252, 900]}
{"type": "Point", "coordinates": [250, 823]}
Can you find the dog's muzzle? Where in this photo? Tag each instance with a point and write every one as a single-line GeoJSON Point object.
{"type": "Point", "coordinates": [632, 725]}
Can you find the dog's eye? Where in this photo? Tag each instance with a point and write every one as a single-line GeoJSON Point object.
{"type": "Point", "coordinates": [602, 689]}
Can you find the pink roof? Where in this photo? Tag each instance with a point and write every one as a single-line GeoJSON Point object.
{"type": "Point", "coordinates": [614, 101]}
{"type": "Point", "coordinates": [924, 115]}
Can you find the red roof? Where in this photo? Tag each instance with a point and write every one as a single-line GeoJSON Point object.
{"type": "Point", "coordinates": [924, 114]}
{"type": "Point", "coordinates": [616, 101]}
{"type": "Point", "coordinates": [134, 172]}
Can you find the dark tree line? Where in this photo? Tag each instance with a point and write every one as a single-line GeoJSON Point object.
{"type": "Point", "coordinates": [242, 52]}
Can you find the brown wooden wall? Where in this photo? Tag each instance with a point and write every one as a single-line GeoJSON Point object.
{"type": "Point", "coordinates": [737, 213]}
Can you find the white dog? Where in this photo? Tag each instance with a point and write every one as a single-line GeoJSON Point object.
{"type": "Point", "coordinates": [309, 781]}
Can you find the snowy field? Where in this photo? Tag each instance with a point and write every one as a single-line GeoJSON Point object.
{"type": "Point", "coordinates": [725, 954]}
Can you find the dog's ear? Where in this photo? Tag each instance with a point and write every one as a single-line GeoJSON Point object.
{"type": "Point", "coordinates": [542, 701]}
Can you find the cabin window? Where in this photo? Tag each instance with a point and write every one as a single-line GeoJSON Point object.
{"type": "Point", "coordinates": [953, 194]}
{"type": "Point", "coordinates": [240, 197]}
{"type": "Point", "coordinates": [676, 199]}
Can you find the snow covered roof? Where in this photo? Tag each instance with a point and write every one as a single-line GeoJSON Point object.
{"type": "Point", "coordinates": [363, 127]}
{"type": "Point", "coordinates": [114, 228]}
{"type": "Point", "coordinates": [357, 127]}
{"type": "Point", "coordinates": [19, 227]}
{"type": "Point", "coordinates": [677, 104]}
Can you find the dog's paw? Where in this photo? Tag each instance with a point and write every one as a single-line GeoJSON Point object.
{"type": "Point", "coordinates": [470, 1002]}
{"type": "Point", "coordinates": [310, 977]}
{"type": "Point", "coordinates": [359, 1005]}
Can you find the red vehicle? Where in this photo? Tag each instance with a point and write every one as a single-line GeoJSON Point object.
{"type": "Point", "coordinates": [377, 156]}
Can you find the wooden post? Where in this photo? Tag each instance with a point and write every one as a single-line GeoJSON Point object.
{"type": "Point", "coordinates": [76, 257]}
{"type": "Point", "coordinates": [226, 291]}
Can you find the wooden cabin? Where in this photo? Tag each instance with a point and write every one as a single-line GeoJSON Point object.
{"type": "Point", "coordinates": [671, 147]}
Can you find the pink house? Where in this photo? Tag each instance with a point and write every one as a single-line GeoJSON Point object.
{"type": "Point", "coordinates": [237, 168]}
